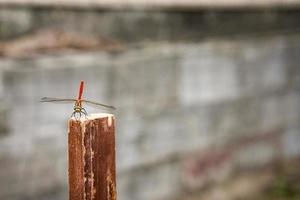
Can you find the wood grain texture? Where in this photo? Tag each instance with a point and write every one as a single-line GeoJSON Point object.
{"type": "Point", "coordinates": [92, 171]}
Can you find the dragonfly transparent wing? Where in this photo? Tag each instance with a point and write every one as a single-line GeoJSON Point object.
{"type": "Point", "coordinates": [57, 100]}
{"type": "Point", "coordinates": [98, 105]}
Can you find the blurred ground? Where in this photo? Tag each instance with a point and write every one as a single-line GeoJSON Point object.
{"type": "Point", "coordinates": [275, 182]}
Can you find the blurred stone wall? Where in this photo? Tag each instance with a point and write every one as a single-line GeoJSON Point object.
{"type": "Point", "coordinates": [147, 25]}
{"type": "Point", "coordinates": [191, 113]}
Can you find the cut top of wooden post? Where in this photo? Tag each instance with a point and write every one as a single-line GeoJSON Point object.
{"type": "Point", "coordinates": [92, 170]}
{"type": "Point", "coordinates": [94, 116]}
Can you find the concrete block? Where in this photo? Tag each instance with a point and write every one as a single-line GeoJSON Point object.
{"type": "Point", "coordinates": [254, 155]}
{"type": "Point", "coordinates": [290, 143]}
{"type": "Point", "coordinates": [235, 120]}
{"type": "Point", "coordinates": [280, 110]}
{"type": "Point", "coordinates": [272, 113]}
{"type": "Point", "coordinates": [262, 67]}
{"type": "Point", "coordinates": [157, 182]}
{"type": "Point", "coordinates": [15, 22]}
{"type": "Point", "coordinates": [146, 81]}
{"type": "Point", "coordinates": [291, 59]}
{"type": "Point", "coordinates": [1, 84]}
{"type": "Point", "coordinates": [209, 73]}
{"type": "Point", "coordinates": [291, 108]}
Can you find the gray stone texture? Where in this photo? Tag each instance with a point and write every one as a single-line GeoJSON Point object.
{"type": "Point", "coordinates": [140, 25]}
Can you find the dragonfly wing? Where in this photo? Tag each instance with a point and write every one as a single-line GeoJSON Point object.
{"type": "Point", "coordinates": [95, 104]}
{"type": "Point", "coordinates": [56, 100]}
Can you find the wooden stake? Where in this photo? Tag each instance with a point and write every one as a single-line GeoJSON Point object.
{"type": "Point", "coordinates": [92, 171]}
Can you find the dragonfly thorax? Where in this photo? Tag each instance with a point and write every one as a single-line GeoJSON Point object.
{"type": "Point", "coordinates": [78, 110]}
{"type": "Point", "coordinates": [77, 106]}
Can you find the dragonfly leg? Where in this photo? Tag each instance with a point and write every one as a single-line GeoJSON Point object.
{"type": "Point", "coordinates": [84, 112]}
{"type": "Point", "coordinates": [73, 114]}
{"type": "Point", "coordinates": [76, 115]}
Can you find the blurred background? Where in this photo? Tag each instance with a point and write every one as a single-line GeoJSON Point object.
{"type": "Point", "coordinates": [207, 94]}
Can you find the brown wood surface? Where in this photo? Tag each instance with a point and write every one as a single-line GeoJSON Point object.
{"type": "Point", "coordinates": [92, 172]}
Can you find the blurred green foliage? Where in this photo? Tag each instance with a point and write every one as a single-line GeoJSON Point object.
{"type": "Point", "coordinates": [285, 187]}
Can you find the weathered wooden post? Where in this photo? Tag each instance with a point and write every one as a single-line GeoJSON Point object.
{"type": "Point", "coordinates": [91, 146]}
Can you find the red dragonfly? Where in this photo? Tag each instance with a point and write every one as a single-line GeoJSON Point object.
{"type": "Point", "coordinates": [78, 109]}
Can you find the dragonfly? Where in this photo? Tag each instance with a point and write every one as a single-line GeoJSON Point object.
{"type": "Point", "coordinates": [78, 110]}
